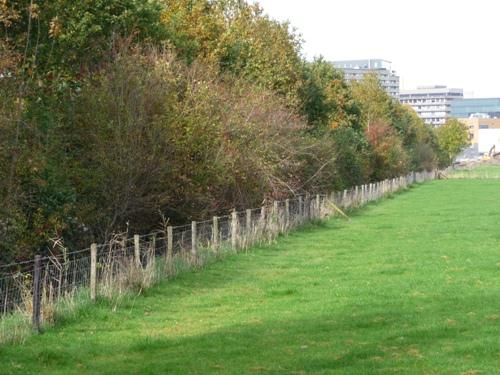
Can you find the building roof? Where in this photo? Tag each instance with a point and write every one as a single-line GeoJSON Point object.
{"type": "Point", "coordinates": [363, 64]}
{"type": "Point", "coordinates": [432, 90]}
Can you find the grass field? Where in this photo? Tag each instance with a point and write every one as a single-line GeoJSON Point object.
{"type": "Point", "coordinates": [478, 171]}
{"type": "Point", "coordinates": [410, 285]}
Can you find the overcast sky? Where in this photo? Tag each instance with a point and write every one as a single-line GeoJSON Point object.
{"type": "Point", "coordinates": [445, 42]}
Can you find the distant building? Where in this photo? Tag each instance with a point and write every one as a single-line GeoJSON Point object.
{"type": "Point", "coordinates": [488, 138]}
{"type": "Point", "coordinates": [432, 103]}
{"type": "Point", "coordinates": [355, 70]}
{"type": "Point", "coordinates": [481, 107]}
{"type": "Point", "coordinates": [475, 124]}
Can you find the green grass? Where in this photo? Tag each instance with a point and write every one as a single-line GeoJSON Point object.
{"type": "Point", "coordinates": [410, 285]}
{"type": "Point", "coordinates": [476, 171]}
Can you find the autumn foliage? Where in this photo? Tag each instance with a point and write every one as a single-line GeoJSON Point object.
{"type": "Point", "coordinates": [116, 111]}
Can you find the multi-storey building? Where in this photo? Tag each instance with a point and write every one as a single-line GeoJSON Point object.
{"type": "Point", "coordinates": [355, 70]}
{"type": "Point", "coordinates": [432, 103]}
{"type": "Point", "coordinates": [480, 108]}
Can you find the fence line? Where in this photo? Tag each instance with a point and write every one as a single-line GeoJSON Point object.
{"type": "Point", "coordinates": [133, 263]}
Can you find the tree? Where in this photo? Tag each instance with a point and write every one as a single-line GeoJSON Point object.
{"type": "Point", "coordinates": [327, 99]}
{"type": "Point", "coordinates": [418, 138]}
{"type": "Point", "coordinates": [452, 138]}
{"type": "Point", "coordinates": [383, 131]}
{"type": "Point", "coordinates": [239, 38]}
{"type": "Point", "coordinates": [63, 38]}
{"type": "Point", "coordinates": [389, 157]}
{"type": "Point", "coordinates": [114, 110]}
{"type": "Point", "coordinates": [373, 100]}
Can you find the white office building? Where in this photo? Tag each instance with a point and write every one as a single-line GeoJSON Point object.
{"type": "Point", "coordinates": [488, 138]}
{"type": "Point", "coordinates": [355, 70]}
{"type": "Point", "coordinates": [432, 103]}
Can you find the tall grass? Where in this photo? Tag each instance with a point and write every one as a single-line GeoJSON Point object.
{"type": "Point", "coordinates": [475, 171]}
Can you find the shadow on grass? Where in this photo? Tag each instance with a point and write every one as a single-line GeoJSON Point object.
{"type": "Point", "coordinates": [364, 344]}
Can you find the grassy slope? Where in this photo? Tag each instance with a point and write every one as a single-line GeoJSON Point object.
{"type": "Point", "coordinates": [408, 286]}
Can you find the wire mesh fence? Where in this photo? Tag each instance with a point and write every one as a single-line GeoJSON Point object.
{"type": "Point", "coordinates": [131, 263]}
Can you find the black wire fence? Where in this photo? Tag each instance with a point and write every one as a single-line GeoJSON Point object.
{"type": "Point", "coordinates": [131, 263]}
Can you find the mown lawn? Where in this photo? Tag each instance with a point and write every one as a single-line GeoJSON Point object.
{"type": "Point", "coordinates": [410, 285]}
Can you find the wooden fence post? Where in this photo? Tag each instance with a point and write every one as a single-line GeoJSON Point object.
{"type": "Point", "coordinates": [6, 299]}
{"type": "Point", "coordinates": [301, 210]}
{"type": "Point", "coordinates": [170, 243]}
{"type": "Point", "coordinates": [137, 250]}
{"type": "Point", "coordinates": [215, 233]}
{"type": "Point", "coordinates": [318, 207]}
{"type": "Point", "coordinates": [193, 239]}
{"type": "Point", "coordinates": [93, 271]}
{"type": "Point", "coordinates": [305, 209]}
{"type": "Point", "coordinates": [37, 295]}
{"type": "Point", "coordinates": [263, 218]}
{"type": "Point", "coordinates": [248, 227]}
{"type": "Point", "coordinates": [153, 245]}
{"type": "Point", "coordinates": [234, 229]}
{"type": "Point", "coordinates": [276, 217]}
{"type": "Point", "coordinates": [287, 213]}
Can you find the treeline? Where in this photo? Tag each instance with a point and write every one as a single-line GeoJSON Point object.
{"type": "Point", "coordinates": [116, 112]}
